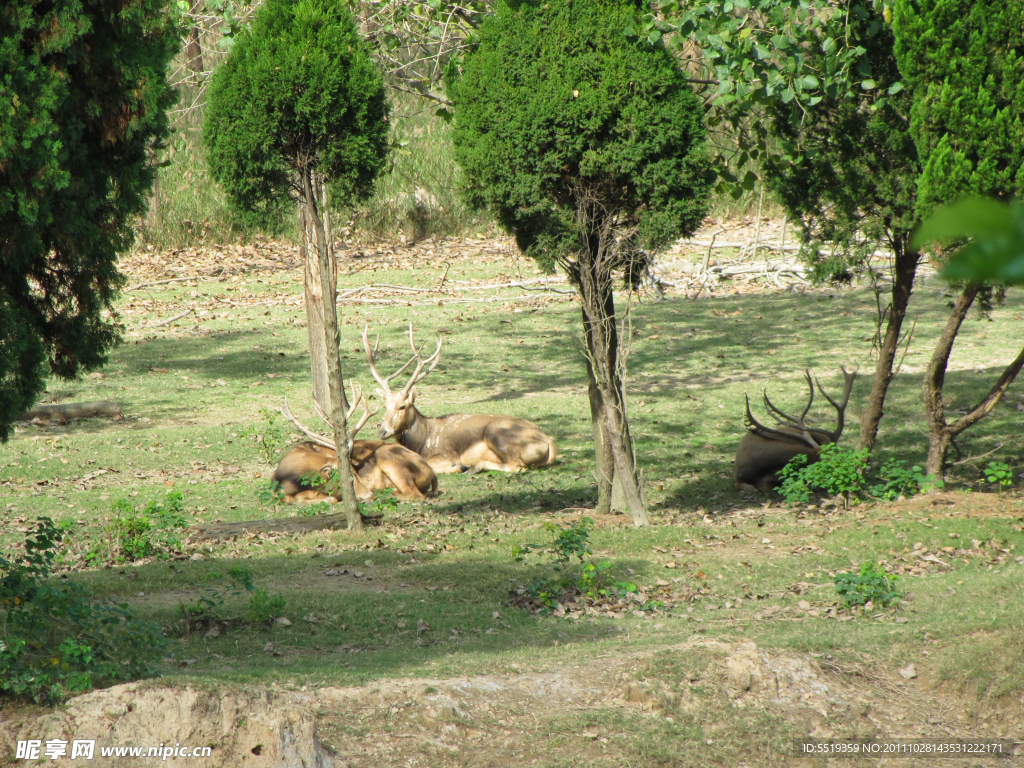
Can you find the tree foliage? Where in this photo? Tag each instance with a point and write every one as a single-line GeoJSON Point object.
{"type": "Point", "coordinates": [298, 90]}
{"type": "Point", "coordinates": [84, 96]}
{"type": "Point", "coordinates": [964, 62]}
{"type": "Point", "coordinates": [848, 171]}
{"type": "Point", "coordinates": [555, 98]}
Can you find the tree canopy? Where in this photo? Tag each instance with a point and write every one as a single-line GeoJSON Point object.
{"type": "Point", "coordinates": [553, 97]}
{"type": "Point", "coordinates": [298, 90]}
{"type": "Point", "coordinates": [963, 60]}
{"type": "Point", "coordinates": [83, 84]}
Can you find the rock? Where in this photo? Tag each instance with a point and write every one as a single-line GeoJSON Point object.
{"type": "Point", "coordinates": [908, 672]}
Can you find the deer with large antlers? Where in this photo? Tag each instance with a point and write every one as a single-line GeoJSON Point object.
{"type": "Point", "coordinates": [460, 442]}
{"type": "Point", "coordinates": [763, 451]}
{"type": "Point", "coordinates": [376, 465]}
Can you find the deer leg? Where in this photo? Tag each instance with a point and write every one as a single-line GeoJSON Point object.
{"type": "Point", "coordinates": [311, 496]}
{"type": "Point", "coordinates": [483, 466]}
{"type": "Point", "coordinates": [441, 465]}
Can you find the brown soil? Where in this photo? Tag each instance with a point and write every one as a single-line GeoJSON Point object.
{"type": "Point", "coordinates": [504, 719]}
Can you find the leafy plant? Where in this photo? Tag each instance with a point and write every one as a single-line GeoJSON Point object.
{"type": "Point", "coordinates": [208, 608]}
{"type": "Point", "coordinates": [897, 480]}
{"type": "Point", "coordinates": [133, 535]}
{"type": "Point", "coordinates": [384, 502]}
{"type": "Point", "coordinates": [871, 585]}
{"type": "Point", "coordinates": [838, 471]}
{"type": "Point", "coordinates": [998, 472]}
{"type": "Point", "coordinates": [270, 495]}
{"type": "Point", "coordinates": [583, 576]}
{"type": "Point", "coordinates": [55, 640]}
{"type": "Point", "coordinates": [268, 435]}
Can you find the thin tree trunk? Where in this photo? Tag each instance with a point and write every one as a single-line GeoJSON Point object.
{"type": "Point", "coordinates": [939, 435]}
{"type": "Point", "coordinates": [601, 335]}
{"type": "Point", "coordinates": [604, 466]}
{"type": "Point", "coordinates": [349, 503]}
{"type": "Point", "coordinates": [314, 296]}
{"type": "Point", "coordinates": [193, 50]}
{"type": "Point", "coordinates": [904, 269]}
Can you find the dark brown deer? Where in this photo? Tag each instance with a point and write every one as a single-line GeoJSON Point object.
{"type": "Point", "coordinates": [460, 442]}
{"type": "Point", "coordinates": [376, 465]}
{"type": "Point", "coordinates": [763, 451]}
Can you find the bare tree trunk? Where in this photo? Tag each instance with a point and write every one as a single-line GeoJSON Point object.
{"type": "Point", "coordinates": [904, 269]}
{"type": "Point", "coordinates": [601, 335]}
{"type": "Point", "coordinates": [193, 50]}
{"type": "Point", "coordinates": [325, 264]}
{"type": "Point", "coordinates": [314, 297]}
{"type": "Point", "coordinates": [604, 463]}
{"type": "Point", "coordinates": [941, 435]}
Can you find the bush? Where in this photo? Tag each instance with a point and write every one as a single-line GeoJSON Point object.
{"type": "Point", "coordinates": [838, 471]}
{"type": "Point", "coordinates": [999, 472]}
{"type": "Point", "coordinates": [898, 481]}
{"type": "Point", "coordinates": [208, 610]}
{"type": "Point", "coordinates": [55, 640]}
{"type": "Point", "coordinates": [133, 535]}
{"type": "Point", "coordinates": [872, 585]}
{"type": "Point", "coordinates": [582, 577]}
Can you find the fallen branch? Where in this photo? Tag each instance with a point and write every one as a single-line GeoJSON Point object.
{"type": "Point", "coordinates": [169, 320]}
{"type": "Point", "coordinates": [164, 282]}
{"type": "Point", "coordinates": [67, 411]}
{"type": "Point", "coordinates": [287, 526]}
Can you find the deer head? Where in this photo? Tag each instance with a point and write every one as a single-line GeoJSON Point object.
{"type": "Point", "coordinates": [399, 411]}
{"type": "Point", "coordinates": [794, 429]}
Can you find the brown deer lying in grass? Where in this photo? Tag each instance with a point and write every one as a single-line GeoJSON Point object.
{"type": "Point", "coordinates": [376, 465]}
{"type": "Point", "coordinates": [460, 442]}
{"type": "Point", "coordinates": [763, 451]}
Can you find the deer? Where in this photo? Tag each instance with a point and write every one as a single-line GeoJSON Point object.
{"type": "Point", "coordinates": [376, 465]}
{"type": "Point", "coordinates": [763, 451]}
{"type": "Point", "coordinates": [460, 442]}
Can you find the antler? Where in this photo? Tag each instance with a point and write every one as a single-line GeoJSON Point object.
{"type": "Point", "coordinates": [758, 428]}
{"type": "Point", "coordinates": [373, 368]}
{"type": "Point", "coordinates": [848, 378]}
{"type": "Point", "coordinates": [776, 413]}
{"type": "Point", "coordinates": [432, 361]}
{"type": "Point", "coordinates": [803, 432]}
{"type": "Point", "coordinates": [417, 374]}
{"type": "Point", "coordinates": [326, 442]}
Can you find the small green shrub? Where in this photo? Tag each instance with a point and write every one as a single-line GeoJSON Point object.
{"type": "Point", "coordinates": [268, 436]}
{"type": "Point", "coordinates": [837, 472]}
{"type": "Point", "coordinates": [55, 640]}
{"type": "Point", "coordinates": [383, 503]}
{"type": "Point", "coordinates": [872, 585]}
{"type": "Point", "coordinates": [270, 495]}
{"type": "Point", "coordinates": [998, 472]}
{"type": "Point", "coordinates": [582, 577]}
{"type": "Point", "coordinates": [897, 480]}
{"type": "Point", "coordinates": [208, 609]}
{"type": "Point", "coordinates": [135, 535]}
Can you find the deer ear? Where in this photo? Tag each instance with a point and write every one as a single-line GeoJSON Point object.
{"type": "Point", "coordinates": [379, 393]}
{"type": "Point", "coordinates": [412, 395]}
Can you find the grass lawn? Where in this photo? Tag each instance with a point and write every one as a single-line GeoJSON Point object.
{"type": "Point", "coordinates": [426, 595]}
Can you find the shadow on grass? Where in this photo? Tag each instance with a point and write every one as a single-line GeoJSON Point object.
{"type": "Point", "coordinates": [409, 614]}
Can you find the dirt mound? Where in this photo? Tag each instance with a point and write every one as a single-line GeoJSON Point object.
{"type": "Point", "coordinates": [241, 728]}
{"type": "Point", "coordinates": [496, 720]}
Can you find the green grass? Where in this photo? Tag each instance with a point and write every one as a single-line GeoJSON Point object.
{"type": "Point", "coordinates": [191, 391]}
